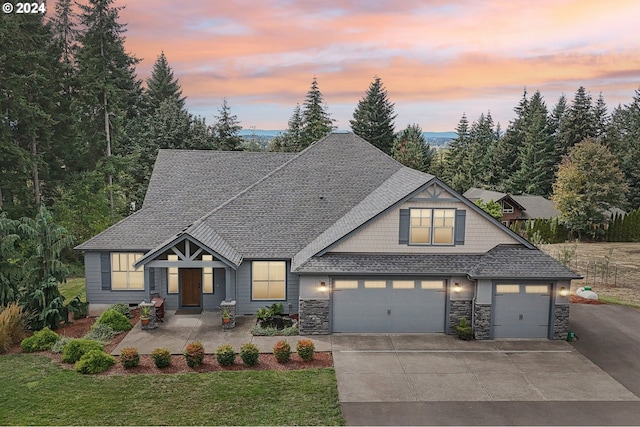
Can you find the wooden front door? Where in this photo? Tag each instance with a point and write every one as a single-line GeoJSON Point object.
{"type": "Point", "coordinates": [191, 279]}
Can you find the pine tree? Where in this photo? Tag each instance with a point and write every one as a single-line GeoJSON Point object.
{"type": "Point", "coordinates": [162, 85]}
{"type": "Point", "coordinates": [600, 118]}
{"type": "Point", "coordinates": [412, 150]}
{"type": "Point", "coordinates": [316, 121]}
{"type": "Point", "coordinates": [227, 129]}
{"type": "Point", "coordinates": [289, 141]}
{"type": "Point", "coordinates": [373, 117]}
{"type": "Point", "coordinates": [578, 123]}
{"type": "Point", "coordinates": [456, 156]}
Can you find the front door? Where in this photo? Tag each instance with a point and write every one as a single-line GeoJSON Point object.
{"type": "Point", "coordinates": [191, 289]}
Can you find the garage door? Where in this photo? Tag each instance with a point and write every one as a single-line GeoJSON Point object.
{"type": "Point", "coordinates": [521, 311]}
{"type": "Point", "coordinates": [381, 305]}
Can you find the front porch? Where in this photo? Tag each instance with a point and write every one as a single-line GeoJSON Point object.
{"type": "Point", "coordinates": [177, 331]}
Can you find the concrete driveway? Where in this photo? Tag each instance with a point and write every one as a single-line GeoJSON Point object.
{"type": "Point", "coordinates": [440, 380]}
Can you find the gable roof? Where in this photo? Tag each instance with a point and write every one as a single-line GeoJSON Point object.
{"type": "Point", "coordinates": [532, 206]}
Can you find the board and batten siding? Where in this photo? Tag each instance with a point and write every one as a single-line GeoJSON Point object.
{"type": "Point", "coordinates": [93, 279]}
{"type": "Point", "coordinates": [382, 233]}
{"type": "Point", "coordinates": [243, 291]}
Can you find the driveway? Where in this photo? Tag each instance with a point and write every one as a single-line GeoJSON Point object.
{"type": "Point", "coordinates": [440, 380]}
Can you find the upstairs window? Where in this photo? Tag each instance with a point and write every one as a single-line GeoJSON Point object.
{"type": "Point", "coordinates": [507, 208]}
{"type": "Point", "coordinates": [432, 226]}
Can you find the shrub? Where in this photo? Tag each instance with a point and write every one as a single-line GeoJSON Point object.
{"type": "Point", "coordinates": [464, 331]}
{"type": "Point", "coordinates": [129, 357]}
{"type": "Point", "coordinates": [76, 348]}
{"type": "Point", "coordinates": [282, 351]}
{"type": "Point", "coordinates": [194, 353]}
{"type": "Point", "coordinates": [225, 355]}
{"type": "Point", "coordinates": [117, 321]}
{"type": "Point", "coordinates": [78, 308]}
{"type": "Point", "coordinates": [13, 320]}
{"type": "Point", "coordinates": [161, 357]}
{"type": "Point", "coordinates": [262, 332]}
{"type": "Point", "coordinates": [290, 331]}
{"type": "Point", "coordinates": [122, 309]}
{"type": "Point", "coordinates": [41, 340]}
{"type": "Point", "coordinates": [305, 349]}
{"type": "Point", "coordinates": [249, 354]}
{"type": "Point", "coordinates": [59, 346]}
{"type": "Point", "coordinates": [94, 362]}
{"type": "Point", "coordinates": [101, 332]}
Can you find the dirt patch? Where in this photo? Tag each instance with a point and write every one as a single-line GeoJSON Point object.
{"type": "Point", "coordinates": [575, 299]}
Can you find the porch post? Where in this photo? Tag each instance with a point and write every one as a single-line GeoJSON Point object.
{"type": "Point", "coordinates": [227, 284]}
{"type": "Point", "coordinates": [147, 284]}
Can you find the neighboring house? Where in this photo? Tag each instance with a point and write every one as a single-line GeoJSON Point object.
{"type": "Point", "coordinates": [340, 233]}
{"type": "Point", "coordinates": [515, 208]}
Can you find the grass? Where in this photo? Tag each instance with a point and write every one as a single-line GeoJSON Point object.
{"type": "Point", "coordinates": [618, 301]}
{"type": "Point", "coordinates": [72, 288]}
{"type": "Point", "coordinates": [36, 391]}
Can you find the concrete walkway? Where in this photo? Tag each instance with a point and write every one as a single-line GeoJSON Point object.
{"type": "Point", "coordinates": [177, 331]}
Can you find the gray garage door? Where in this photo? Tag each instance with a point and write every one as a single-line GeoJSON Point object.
{"type": "Point", "coordinates": [380, 305]}
{"type": "Point", "coordinates": [521, 311]}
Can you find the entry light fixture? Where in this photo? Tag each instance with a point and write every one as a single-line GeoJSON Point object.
{"type": "Point", "coordinates": [457, 288]}
{"type": "Point", "coordinates": [564, 291]}
{"type": "Point", "coordinates": [323, 286]}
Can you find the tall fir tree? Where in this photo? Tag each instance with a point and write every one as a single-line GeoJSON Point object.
{"type": "Point", "coordinates": [289, 141]}
{"type": "Point", "coordinates": [577, 123]}
{"type": "Point", "coordinates": [162, 85]}
{"type": "Point", "coordinates": [600, 117]}
{"type": "Point", "coordinates": [411, 149]}
{"type": "Point", "coordinates": [316, 121]}
{"type": "Point", "coordinates": [456, 156]}
{"type": "Point", "coordinates": [227, 129]}
{"type": "Point", "coordinates": [373, 118]}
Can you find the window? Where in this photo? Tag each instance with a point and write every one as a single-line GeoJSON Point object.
{"type": "Point", "coordinates": [207, 276]}
{"type": "Point", "coordinates": [345, 284]}
{"type": "Point", "coordinates": [507, 289]}
{"type": "Point", "coordinates": [375, 284]}
{"type": "Point", "coordinates": [403, 284]}
{"type": "Point", "coordinates": [432, 226]}
{"type": "Point", "coordinates": [432, 284]}
{"type": "Point", "coordinates": [507, 208]}
{"type": "Point", "coordinates": [536, 289]}
{"type": "Point", "coordinates": [268, 280]}
{"type": "Point", "coordinates": [172, 285]}
{"type": "Point", "coordinates": [124, 276]}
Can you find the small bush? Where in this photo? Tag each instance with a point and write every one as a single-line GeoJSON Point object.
{"type": "Point", "coordinates": [94, 362]}
{"type": "Point", "coordinates": [290, 331]}
{"type": "Point", "coordinates": [58, 347]}
{"type": "Point", "coordinates": [249, 354]}
{"type": "Point", "coordinates": [117, 321]}
{"type": "Point", "coordinates": [76, 348]}
{"type": "Point", "coordinates": [13, 320]}
{"type": "Point", "coordinates": [282, 351]}
{"type": "Point", "coordinates": [194, 353]}
{"type": "Point", "coordinates": [259, 331]}
{"type": "Point", "coordinates": [101, 332]}
{"type": "Point", "coordinates": [41, 340]}
{"type": "Point", "coordinates": [225, 355]}
{"type": "Point", "coordinates": [161, 357]}
{"type": "Point", "coordinates": [122, 309]}
{"type": "Point", "coordinates": [78, 308]}
{"type": "Point", "coordinates": [463, 330]}
{"type": "Point", "coordinates": [129, 357]}
{"type": "Point", "coordinates": [305, 349]}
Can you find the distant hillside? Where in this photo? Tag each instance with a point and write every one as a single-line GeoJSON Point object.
{"type": "Point", "coordinates": [440, 139]}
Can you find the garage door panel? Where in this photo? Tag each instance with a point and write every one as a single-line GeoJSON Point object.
{"type": "Point", "coordinates": [524, 314]}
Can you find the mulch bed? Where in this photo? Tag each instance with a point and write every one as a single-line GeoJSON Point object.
{"type": "Point", "coordinates": [78, 328]}
{"type": "Point", "coordinates": [575, 299]}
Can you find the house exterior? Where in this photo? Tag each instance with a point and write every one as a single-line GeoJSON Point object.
{"type": "Point", "coordinates": [515, 208]}
{"type": "Point", "coordinates": [340, 233]}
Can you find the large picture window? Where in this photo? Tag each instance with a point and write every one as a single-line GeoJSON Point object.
{"type": "Point", "coordinates": [123, 274]}
{"type": "Point", "coordinates": [432, 226]}
{"type": "Point", "coordinates": [268, 280]}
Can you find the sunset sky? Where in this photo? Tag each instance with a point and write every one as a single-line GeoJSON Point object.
{"type": "Point", "coordinates": [437, 59]}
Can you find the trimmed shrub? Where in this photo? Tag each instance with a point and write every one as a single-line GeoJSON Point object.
{"type": "Point", "coordinates": [282, 351]}
{"type": "Point", "coordinates": [41, 340]}
{"type": "Point", "coordinates": [259, 331]}
{"type": "Point", "coordinates": [194, 353]}
{"type": "Point", "coordinates": [161, 357]}
{"type": "Point", "coordinates": [94, 362]}
{"type": "Point", "coordinates": [13, 320]}
{"type": "Point", "coordinates": [76, 348]}
{"type": "Point", "coordinates": [290, 331]}
{"type": "Point", "coordinates": [249, 354]}
{"type": "Point", "coordinates": [129, 357]}
{"type": "Point", "coordinates": [101, 332]}
{"type": "Point", "coordinates": [122, 309]}
{"type": "Point", "coordinates": [225, 355]}
{"type": "Point", "coordinates": [305, 349]}
{"type": "Point", "coordinates": [58, 347]}
{"type": "Point", "coordinates": [117, 321]}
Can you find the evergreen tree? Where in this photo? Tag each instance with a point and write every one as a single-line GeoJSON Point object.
{"type": "Point", "coordinates": [373, 117]}
{"type": "Point", "coordinates": [162, 85]}
{"type": "Point", "coordinates": [456, 155]}
{"type": "Point", "coordinates": [577, 124]}
{"type": "Point", "coordinates": [227, 129]}
{"type": "Point", "coordinates": [290, 140]}
{"type": "Point", "coordinates": [316, 121]}
{"type": "Point", "coordinates": [600, 118]}
{"type": "Point", "coordinates": [588, 183]}
{"type": "Point", "coordinates": [412, 150]}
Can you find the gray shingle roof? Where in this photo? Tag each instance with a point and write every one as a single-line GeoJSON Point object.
{"type": "Point", "coordinates": [503, 261]}
{"type": "Point", "coordinates": [184, 186]}
{"type": "Point", "coordinates": [534, 206]}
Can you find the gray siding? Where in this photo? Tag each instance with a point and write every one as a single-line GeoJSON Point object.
{"type": "Point", "coordinates": [95, 294]}
{"type": "Point", "coordinates": [243, 291]}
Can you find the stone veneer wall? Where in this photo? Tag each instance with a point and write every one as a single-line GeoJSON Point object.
{"type": "Point", "coordinates": [560, 321]}
{"type": "Point", "coordinates": [458, 310]}
{"type": "Point", "coordinates": [313, 316]}
{"type": "Point", "coordinates": [482, 322]}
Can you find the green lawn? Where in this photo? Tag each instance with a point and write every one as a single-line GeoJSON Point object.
{"type": "Point", "coordinates": [72, 288]}
{"type": "Point", "coordinates": [615, 300]}
{"type": "Point", "coordinates": [35, 391]}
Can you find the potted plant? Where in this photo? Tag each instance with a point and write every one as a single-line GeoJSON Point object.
{"type": "Point", "coordinates": [226, 318]}
{"type": "Point", "coordinates": [145, 311]}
